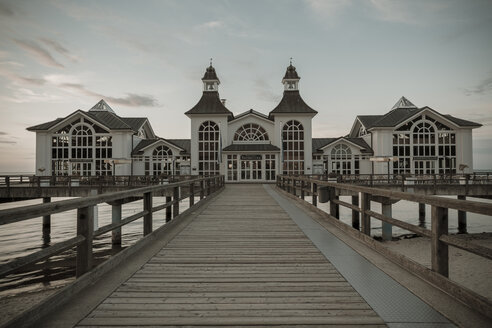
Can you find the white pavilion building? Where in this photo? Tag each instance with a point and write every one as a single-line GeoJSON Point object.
{"type": "Point", "coordinates": [252, 146]}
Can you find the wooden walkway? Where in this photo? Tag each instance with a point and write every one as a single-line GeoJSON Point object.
{"type": "Point", "coordinates": [241, 261]}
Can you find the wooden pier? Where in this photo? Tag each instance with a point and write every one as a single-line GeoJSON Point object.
{"type": "Point", "coordinates": [235, 258]}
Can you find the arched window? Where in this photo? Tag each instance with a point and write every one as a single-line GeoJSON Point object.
{"type": "Point", "coordinates": [208, 148]}
{"type": "Point", "coordinates": [251, 132]}
{"type": "Point", "coordinates": [293, 147]}
{"type": "Point", "coordinates": [341, 159]}
{"type": "Point", "coordinates": [162, 161]}
{"type": "Point", "coordinates": [81, 148]}
{"type": "Point", "coordinates": [426, 145]}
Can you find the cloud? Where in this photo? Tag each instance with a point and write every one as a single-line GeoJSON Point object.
{"type": "Point", "coordinates": [264, 91]}
{"type": "Point", "coordinates": [41, 54]}
{"type": "Point", "coordinates": [59, 48]}
{"type": "Point", "coordinates": [211, 24]}
{"type": "Point", "coordinates": [2, 141]}
{"type": "Point", "coordinates": [5, 10]}
{"type": "Point", "coordinates": [6, 140]}
{"type": "Point", "coordinates": [14, 77]}
{"type": "Point", "coordinates": [3, 133]}
{"type": "Point", "coordinates": [482, 88]}
{"type": "Point", "coordinates": [131, 99]}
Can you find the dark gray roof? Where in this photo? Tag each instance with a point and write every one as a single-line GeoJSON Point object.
{"type": "Point", "coordinates": [45, 126]}
{"type": "Point", "coordinates": [395, 117]}
{"type": "Point", "coordinates": [110, 120]}
{"type": "Point", "coordinates": [209, 103]}
{"type": "Point", "coordinates": [142, 144]}
{"type": "Point", "coordinates": [251, 111]}
{"type": "Point", "coordinates": [182, 143]}
{"type": "Point", "coordinates": [319, 143]}
{"type": "Point", "coordinates": [460, 121]}
{"type": "Point", "coordinates": [369, 120]}
{"type": "Point", "coordinates": [291, 73]}
{"type": "Point", "coordinates": [210, 74]}
{"type": "Point", "coordinates": [292, 103]}
{"type": "Point", "coordinates": [134, 122]}
{"type": "Point", "coordinates": [251, 147]}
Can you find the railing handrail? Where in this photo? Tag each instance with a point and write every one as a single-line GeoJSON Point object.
{"type": "Point", "coordinates": [461, 205]}
{"type": "Point", "coordinates": [32, 211]}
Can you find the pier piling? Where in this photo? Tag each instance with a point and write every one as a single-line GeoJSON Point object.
{"type": "Point", "coordinates": [462, 218]}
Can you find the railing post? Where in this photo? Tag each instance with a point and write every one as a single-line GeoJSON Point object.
{"type": "Point", "coordinates": [202, 191]}
{"type": "Point", "coordinates": [192, 194]}
{"type": "Point", "coordinates": [302, 189]}
{"type": "Point", "coordinates": [85, 227]}
{"type": "Point", "coordinates": [422, 215]}
{"type": "Point", "coordinates": [439, 249]}
{"type": "Point", "coordinates": [168, 209]}
{"type": "Point", "coordinates": [315, 194]}
{"type": "Point", "coordinates": [355, 214]}
{"type": "Point", "coordinates": [208, 187]}
{"type": "Point", "coordinates": [176, 201]}
{"type": "Point", "coordinates": [294, 182]}
{"type": "Point", "coordinates": [334, 208]}
{"type": "Point", "coordinates": [461, 217]}
{"type": "Point", "coordinates": [147, 224]}
{"type": "Point", "coordinates": [46, 223]}
{"type": "Point", "coordinates": [116, 218]}
{"type": "Point", "coordinates": [387, 229]}
{"type": "Point", "coordinates": [365, 203]}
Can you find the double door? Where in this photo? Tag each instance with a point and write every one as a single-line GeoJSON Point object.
{"type": "Point", "coordinates": [251, 170]}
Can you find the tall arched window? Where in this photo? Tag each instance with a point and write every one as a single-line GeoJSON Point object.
{"type": "Point", "coordinates": [293, 147]}
{"type": "Point", "coordinates": [208, 148]}
{"type": "Point", "coordinates": [82, 150]}
{"type": "Point", "coordinates": [162, 161]}
{"type": "Point", "coordinates": [251, 132]}
{"type": "Point", "coordinates": [341, 159]}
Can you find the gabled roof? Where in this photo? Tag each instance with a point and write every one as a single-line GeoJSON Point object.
{"type": "Point", "coordinates": [251, 147]}
{"type": "Point", "coordinates": [209, 103]}
{"type": "Point", "coordinates": [183, 144]}
{"type": "Point", "coordinates": [319, 143]}
{"type": "Point", "coordinates": [292, 103]}
{"type": "Point", "coordinates": [101, 113]}
{"type": "Point", "coordinates": [253, 112]}
{"type": "Point", "coordinates": [460, 121]}
{"type": "Point", "coordinates": [368, 120]}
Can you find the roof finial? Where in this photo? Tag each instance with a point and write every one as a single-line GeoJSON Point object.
{"type": "Point", "coordinates": [290, 61]}
{"type": "Point", "coordinates": [210, 62]}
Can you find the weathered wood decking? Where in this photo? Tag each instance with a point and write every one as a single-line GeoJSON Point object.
{"type": "Point", "coordinates": [242, 261]}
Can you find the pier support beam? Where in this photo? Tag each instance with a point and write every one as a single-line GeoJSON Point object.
{"type": "Point", "coordinates": [176, 199]}
{"type": "Point", "coordinates": [147, 224]}
{"type": "Point", "coordinates": [387, 228]}
{"type": "Point", "coordinates": [46, 223]}
{"type": "Point", "coordinates": [116, 218]}
{"type": "Point", "coordinates": [168, 209]}
{"type": "Point", "coordinates": [365, 218]}
{"type": "Point", "coordinates": [422, 215]}
{"type": "Point", "coordinates": [462, 217]}
{"type": "Point", "coordinates": [334, 207]}
{"type": "Point", "coordinates": [355, 214]}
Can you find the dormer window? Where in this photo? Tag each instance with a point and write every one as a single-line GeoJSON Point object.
{"type": "Point", "coordinates": [141, 133]}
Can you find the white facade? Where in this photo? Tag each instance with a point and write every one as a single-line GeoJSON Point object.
{"type": "Point", "coordinates": [254, 147]}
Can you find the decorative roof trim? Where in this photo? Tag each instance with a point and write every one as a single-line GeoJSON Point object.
{"type": "Point", "coordinates": [339, 140]}
{"type": "Point", "coordinates": [252, 112]}
{"type": "Point", "coordinates": [81, 112]}
{"type": "Point", "coordinates": [161, 140]}
{"type": "Point", "coordinates": [422, 111]}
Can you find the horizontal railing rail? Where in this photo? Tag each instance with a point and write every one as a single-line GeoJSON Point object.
{"type": "Point", "coordinates": [83, 240]}
{"type": "Point", "coordinates": [324, 191]}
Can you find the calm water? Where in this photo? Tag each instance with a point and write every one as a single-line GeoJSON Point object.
{"type": "Point", "coordinates": [23, 238]}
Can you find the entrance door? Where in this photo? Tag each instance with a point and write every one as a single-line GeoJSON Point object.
{"type": "Point", "coordinates": [425, 167]}
{"type": "Point", "coordinates": [251, 170]}
{"type": "Point", "coordinates": [82, 168]}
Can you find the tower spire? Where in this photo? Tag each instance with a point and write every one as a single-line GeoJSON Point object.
{"type": "Point", "coordinates": [290, 61]}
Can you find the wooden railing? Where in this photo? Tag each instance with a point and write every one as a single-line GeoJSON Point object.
{"type": "Point", "coordinates": [362, 214]}
{"type": "Point", "coordinates": [200, 187]}
{"type": "Point", "coordinates": [92, 181]}
{"type": "Point", "coordinates": [407, 179]}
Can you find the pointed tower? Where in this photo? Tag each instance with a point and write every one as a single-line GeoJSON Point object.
{"type": "Point", "coordinates": [101, 106]}
{"type": "Point", "coordinates": [208, 120]}
{"type": "Point", "coordinates": [293, 127]}
{"type": "Point", "coordinates": [403, 103]}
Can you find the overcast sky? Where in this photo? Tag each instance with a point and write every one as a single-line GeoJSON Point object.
{"type": "Point", "coordinates": [146, 58]}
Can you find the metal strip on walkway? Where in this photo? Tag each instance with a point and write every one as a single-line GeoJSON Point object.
{"type": "Point", "coordinates": [395, 304]}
